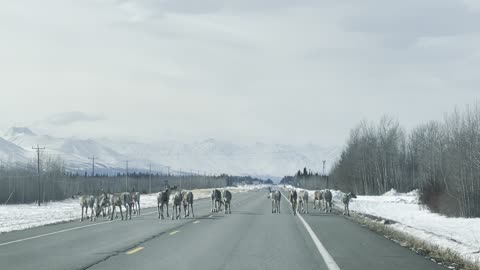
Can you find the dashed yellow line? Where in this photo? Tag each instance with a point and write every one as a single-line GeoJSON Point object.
{"type": "Point", "coordinates": [174, 232]}
{"type": "Point", "coordinates": [197, 221]}
{"type": "Point", "coordinates": [135, 250]}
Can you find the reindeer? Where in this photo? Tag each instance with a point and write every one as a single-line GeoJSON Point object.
{"type": "Point", "coordinates": [227, 199]}
{"type": "Point", "coordinates": [317, 196]}
{"type": "Point", "coordinates": [122, 199]}
{"type": "Point", "coordinates": [136, 203]}
{"type": "Point", "coordinates": [87, 201]}
{"type": "Point", "coordinates": [216, 197]}
{"type": "Point", "coordinates": [292, 197]}
{"type": "Point", "coordinates": [187, 198]}
{"type": "Point", "coordinates": [176, 205]}
{"type": "Point", "coordinates": [327, 197]}
{"type": "Point", "coordinates": [162, 199]}
{"type": "Point", "coordinates": [276, 195]}
{"type": "Point", "coordinates": [127, 202]}
{"type": "Point", "coordinates": [302, 202]}
{"type": "Point", "coordinates": [346, 201]}
{"type": "Point", "coordinates": [102, 203]}
{"type": "Point", "coordinates": [116, 201]}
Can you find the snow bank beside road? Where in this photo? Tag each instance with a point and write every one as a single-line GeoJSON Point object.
{"type": "Point", "coordinates": [458, 234]}
{"type": "Point", "coordinates": [461, 235]}
{"type": "Point", "coordinates": [24, 216]}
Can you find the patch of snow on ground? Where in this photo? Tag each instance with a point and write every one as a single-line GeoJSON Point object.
{"type": "Point", "coordinates": [24, 216]}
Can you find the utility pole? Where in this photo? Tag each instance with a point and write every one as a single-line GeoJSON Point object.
{"type": "Point", "coordinates": [324, 167]}
{"type": "Point", "coordinates": [126, 177]}
{"type": "Point", "coordinates": [38, 169]}
{"type": "Point", "coordinates": [150, 178]}
{"type": "Point", "coordinates": [93, 165]}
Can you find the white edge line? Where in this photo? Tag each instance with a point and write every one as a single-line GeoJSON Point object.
{"type": "Point", "coordinates": [327, 258]}
{"type": "Point", "coordinates": [70, 229]}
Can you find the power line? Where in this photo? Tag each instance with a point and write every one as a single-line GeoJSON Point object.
{"type": "Point", "coordinates": [38, 169]}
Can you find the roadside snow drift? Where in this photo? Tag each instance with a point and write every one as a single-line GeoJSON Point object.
{"type": "Point", "coordinates": [458, 234]}
{"type": "Point", "coordinates": [461, 235]}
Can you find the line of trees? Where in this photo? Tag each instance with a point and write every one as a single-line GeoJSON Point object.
{"type": "Point", "coordinates": [19, 182]}
{"type": "Point", "coordinates": [307, 179]}
{"type": "Point", "coordinates": [440, 158]}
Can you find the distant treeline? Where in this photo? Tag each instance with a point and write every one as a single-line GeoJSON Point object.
{"type": "Point", "coordinates": [308, 180]}
{"type": "Point", "coordinates": [19, 183]}
{"type": "Point", "coordinates": [441, 158]}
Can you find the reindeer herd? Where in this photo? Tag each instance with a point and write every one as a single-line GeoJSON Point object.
{"type": "Point", "coordinates": [107, 204]}
{"type": "Point", "coordinates": [299, 200]}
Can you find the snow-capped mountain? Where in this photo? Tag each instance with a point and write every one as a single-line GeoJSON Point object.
{"type": "Point", "coordinates": [208, 156]}
{"type": "Point", "coordinates": [215, 156]}
{"type": "Point", "coordinates": [75, 152]}
{"type": "Point", "coordinates": [10, 152]}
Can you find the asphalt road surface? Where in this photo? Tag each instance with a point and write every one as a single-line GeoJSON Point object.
{"type": "Point", "coordinates": [250, 238]}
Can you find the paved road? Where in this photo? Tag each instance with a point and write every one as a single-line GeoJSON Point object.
{"type": "Point", "coordinates": [250, 238]}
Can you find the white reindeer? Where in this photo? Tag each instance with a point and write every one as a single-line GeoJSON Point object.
{"type": "Point", "coordinates": [317, 196]}
{"type": "Point", "coordinates": [276, 195]}
{"type": "Point", "coordinates": [87, 201]}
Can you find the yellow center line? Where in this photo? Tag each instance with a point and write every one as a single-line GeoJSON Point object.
{"type": "Point", "coordinates": [135, 250]}
{"type": "Point", "coordinates": [195, 222]}
{"type": "Point", "coordinates": [174, 232]}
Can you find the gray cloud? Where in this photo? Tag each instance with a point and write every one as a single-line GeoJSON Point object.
{"type": "Point", "coordinates": [283, 71]}
{"type": "Point", "coordinates": [68, 118]}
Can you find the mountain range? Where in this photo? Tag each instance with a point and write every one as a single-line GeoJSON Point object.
{"type": "Point", "coordinates": [210, 156]}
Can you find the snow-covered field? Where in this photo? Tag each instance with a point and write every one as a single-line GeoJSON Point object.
{"type": "Point", "coordinates": [458, 234]}
{"type": "Point", "coordinates": [24, 216]}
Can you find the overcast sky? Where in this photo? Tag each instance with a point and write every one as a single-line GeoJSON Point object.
{"type": "Point", "coordinates": [249, 70]}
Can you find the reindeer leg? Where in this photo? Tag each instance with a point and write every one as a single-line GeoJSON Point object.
{"type": "Point", "coordinates": [113, 212]}
{"type": "Point", "coordinates": [161, 209]}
